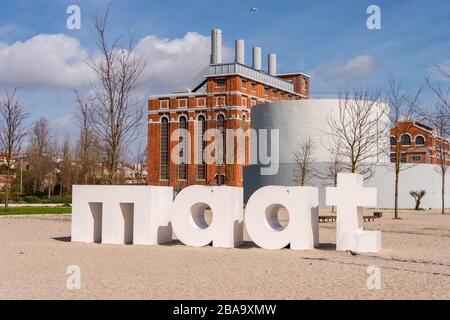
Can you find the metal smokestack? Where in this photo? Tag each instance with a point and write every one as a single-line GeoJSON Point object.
{"type": "Point", "coordinates": [273, 64]}
{"type": "Point", "coordinates": [257, 58]}
{"type": "Point", "coordinates": [216, 46]}
{"type": "Point", "coordinates": [240, 51]}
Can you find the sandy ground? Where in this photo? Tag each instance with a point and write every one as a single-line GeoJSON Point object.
{"type": "Point", "coordinates": [414, 262]}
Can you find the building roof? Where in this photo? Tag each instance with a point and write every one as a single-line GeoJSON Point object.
{"type": "Point", "coordinates": [233, 68]}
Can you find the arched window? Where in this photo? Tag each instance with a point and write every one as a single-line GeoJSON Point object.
{"type": "Point", "coordinates": [201, 128]}
{"type": "Point", "coordinates": [164, 165]}
{"type": "Point", "coordinates": [244, 139]}
{"type": "Point", "coordinates": [182, 166]}
{"type": "Point", "coordinates": [406, 140]}
{"type": "Point", "coordinates": [420, 141]}
{"type": "Point", "coordinates": [244, 145]}
{"type": "Point", "coordinates": [221, 154]}
{"type": "Point", "coordinates": [393, 141]}
{"type": "Point", "coordinates": [220, 179]}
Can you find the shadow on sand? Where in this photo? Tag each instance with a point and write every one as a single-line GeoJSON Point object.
{"type": "Point", "coordinates": [63, 239]}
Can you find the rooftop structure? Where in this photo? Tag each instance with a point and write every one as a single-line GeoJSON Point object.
{"type": "Point", "coordinates": [220, 95]}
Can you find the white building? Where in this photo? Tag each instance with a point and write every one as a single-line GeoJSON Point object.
{"type": "Point", "coordinates": [297, 120]}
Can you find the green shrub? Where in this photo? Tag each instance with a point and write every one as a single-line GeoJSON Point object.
{"type": "Point", "coordinates": [32, 199]}
{"type": "Point", "coordinates": [60, 199]}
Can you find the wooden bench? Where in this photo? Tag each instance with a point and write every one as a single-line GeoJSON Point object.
{"type": "Point", "coordinates": [368, 218]}
{"type": "Point", "coordinates": [327, 219]}
{"type": "Point", "coordinates": [333, 218]}
{"type": "Point", "coordinates": [378, 214]}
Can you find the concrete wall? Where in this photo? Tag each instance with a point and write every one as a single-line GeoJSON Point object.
{"type": "Point", "coordinates": [418, 177]}
{"type": "Point", "coordinates": [414, 177]}
{"type": "Point", "coordinates": [297, 120]}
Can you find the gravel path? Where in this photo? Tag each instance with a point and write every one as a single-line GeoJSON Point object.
{"type": "Point", "coordinates": [36, 251]}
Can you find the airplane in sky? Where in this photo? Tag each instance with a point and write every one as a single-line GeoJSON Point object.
{"type": "Point", "coordinates": [254, 9]}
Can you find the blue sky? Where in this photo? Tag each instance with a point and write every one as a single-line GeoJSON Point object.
{"type": "Point", "coordinates": [327, 39]}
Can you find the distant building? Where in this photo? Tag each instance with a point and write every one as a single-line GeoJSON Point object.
{"type": "Point", "coordinates": [419, 143]}
{"type": "Point", "coordinates": [15, 161]}
{"type": "Point", "coordinates": [220, 97]}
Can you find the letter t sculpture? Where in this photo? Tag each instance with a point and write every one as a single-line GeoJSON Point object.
{"type": "Point", "coordinates": [350, 197]}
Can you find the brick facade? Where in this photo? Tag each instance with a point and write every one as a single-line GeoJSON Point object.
{"type": "Point", "coordinates": [417, 143]}
{"type": "Point", "coordinates": [231, 96]}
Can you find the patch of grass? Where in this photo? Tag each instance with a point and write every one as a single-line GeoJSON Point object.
{"type": "Point", "coordinates": [34, 210]}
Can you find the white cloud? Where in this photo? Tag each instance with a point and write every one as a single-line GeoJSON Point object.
{"type": "Point", "coordinates": [45, 61]}
{"type": "Point", "coordinates": [355, 68]}
{"type": "Point", "coordinates": [172, 63]}
{"type": "Point", "coordinates": [59, 61]}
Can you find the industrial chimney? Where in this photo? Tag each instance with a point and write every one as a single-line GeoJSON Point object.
{"type": "Point", "coordinates": [240, 51]}
{"type": "Point", "coordinates": [216, 46]}
{"type": "Point", "coordinates": [257, 58]}
{"type": "Point", "coordinates": [272, 64]}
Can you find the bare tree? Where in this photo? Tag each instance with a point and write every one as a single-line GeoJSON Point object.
{"type": "Point", "coordinates": [52, 158]}
{"type": "Point", "coordinates": [329, 173]}
{"type": "Point", "coordinates": [358, 130]}
{"type": "Point", "coordinates": [441, 93]}
{"type": "Point", "coordinates": [439, 119]}
{"type": "Point", "coordinates": [403, 108]}
{"type": "Point", "coordinates": [13, 131]}
{"type": "Point", "coordinates": [302, 160]}
{"type": "Point", "coordinates": [65, 167]}
{"type": "Point", "coordinates": [41, 149]}
{"type": "Point", "coordinates": [115, 118]}
{"type": "Point", "coordinates": [440, 123]}
{"type": "Point", "coordinates": [87, 148]}
{"type": "Point", "coordinates": [141, 161]}
{"type": "Point", "coordinates": [417, 195]}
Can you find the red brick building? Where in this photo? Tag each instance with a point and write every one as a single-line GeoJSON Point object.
{"type": "Point", "coordinates": [419, 143]}
{"type": "Point", "coordinates": [220, 97]}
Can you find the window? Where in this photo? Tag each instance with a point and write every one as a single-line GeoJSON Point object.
{"type": "Point", "coordinates": [201, 128]}
{"type": "Point", "coordinates": [220, 179]}
{"type": "Point", "coordinates": [304, 84]}
{"type": "Point", "coordinates": [182, 167]}
{"type": "Point", "coordinates": [393, 157]}
{"type": "Point", "coordinates": [244, 83]}
{"type": "Point", "coordinates": [406, 140]}
{"type": "Point", "coordinates": [220, 82]}
{"type": "Point", "coordinates": [420, 141]}
{"type": "Point", "coordinates": [164, 165]}
{"type": "Point", "coordinates": [253, 102]}
{"type": "Point", "coordinates": [266, 91]}
{"type": "Point", "coordinates": [220, 101]}
{"type": "Point", "coordinates": [221, 143]}
{"type": "Point", "coordinates": [164, 104]}
{"type": "Point", "coordinates": [182, 103]}
{"type": "Point", "coordinates": [393, 141]}
{"type": "Point", "coordinates": [253, 85]}
{"type": "Point", "coordinates": [201, 102]}
{"type": "Point", "coordinates": [416, 158]}
{"type": "Point", "coordinates": [244, 101]}
{"type": "Point", "coordinates": [404, 158]}
{"type": "Point", "coordinates": [244, 147]}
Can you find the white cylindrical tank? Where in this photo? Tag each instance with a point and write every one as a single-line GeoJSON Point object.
{"type": "Point", "coordinates": [272, 64]}
{"type": "Point", "coordinates": [257, 58]}
{"type": "Point", "coordinates": [240, 51]}
{"type": "Point", "coordinates": [216, 46]}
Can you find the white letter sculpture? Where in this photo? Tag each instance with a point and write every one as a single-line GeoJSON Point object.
{"type": "Point", "coordinates": [263, 227]}
{"type": "Point", "coordinates": [349, 197]}
{"type": "Point", "coordinates": [122, 214]}
{"type": "Point", "coordinates": [188, 216]}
